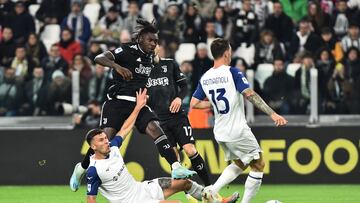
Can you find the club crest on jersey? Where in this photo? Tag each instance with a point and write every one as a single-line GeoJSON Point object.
{"type": "Point", "coordinates": [144, 70]}
{"type": "Point", "coordinates": [164, 68]}
{"type": "Point", "coordinates": [134, 47]}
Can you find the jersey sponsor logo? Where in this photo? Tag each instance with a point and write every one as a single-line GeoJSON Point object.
{"type": "Point", "coordinates": [164, 68]}
{"type": "Point", "coordinates": [144, 70]}
{"type": "Point", "coordinates": [216, 80]}
{"type": "Point", "coordinates": [118, 50]}
{"type": "Point", "coordinates": [164, 81]}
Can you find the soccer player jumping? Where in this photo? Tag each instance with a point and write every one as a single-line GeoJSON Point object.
{"type": "Point", "coordinates": [131, 65]}
{"type": "Point", "coordinates": [224, 86]}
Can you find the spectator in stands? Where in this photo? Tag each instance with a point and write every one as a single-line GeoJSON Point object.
{"type": "Point", "coordinates": [22, 64]}
{"type": "Point", "coordinates": [327, 6]}
{"type": "Point", "coordinates": [7, 47]}
{"type": "Point", "coordinates": [187, 69]}
{"type": "Point", "coordinates": [21, 22]}
{"type": "Point", "coordinates": [98, 84]}
{"type": "Point", "coordinates": [297, 10]}
{"type": "Point", "coordinates": [160, 7]}
{"type": "Point", "coordinates": [170, 27]}
{"type": "Point", "coordinates": [133, 14]}
{"type": "Point", "coordinates": [205, 8]}
{"type": "Point", "coordinates": [54, 62]}
{"type": "Point", "coordinates": [78, 23]}
{"type": "Point", "coordinates": [91, 118]}
{"type": "Point", "coordinates": [302, 85]}
{"type": "Point", "coordinates": [341, 19]}
{"type": "Point", "coordinates": [340, 91]}
{"type": "Point", "coordinates": [10, 94]}
{"type": "Point", "coordinates": [267, 49]}
{"type": "Point", "coordinates": [261, 10]}
{"type": "Point", "coordinates": [35, 48]}
{"type": "Point", "coordinates": [280, 24]}
{"type": "Point", "coordinates": [107, 4]}
{"type": "Point", "coordinates": [352, 65]}
{"type": "Point", "coordinates": [82, 64]}
{"type": "Point", "coordinates": [36, 94]}
{"type": "Point", "coordinates": [304, 40]}
{"type": "Point", "coordinates": [94, 50]}
{"type": "Point", "coordinates": [69, 47]}
{"type": "Point", "coordinates": [223, 24]}
{"type": "Point", "coordinates": [278, 89]}
{"type": "Point", "coordinates": [125, 37]}
{"type": "Point", "coordinates": [200, 64]}
{"type": "Point", "coordinates": [6, 7]}
{"type": "Point", "coordinates": [53, 11]}
{"type": "Point", "coordinates": [245, 29]}
{"type": "Point", "coordinates": [317, 17]}
{"type": "Point", "coordinates": [330, 42]}
{"type": "Point", "coordinates": [109, 26]}
{"type": "Point", "coordinates": [352, 39]}
{"type": "Point", "coordinates": [193, 24]}
{"type": "Point", "coordinates": [210, 34]}
{"type": "Point", "coordinates": [59, 92]}
{"type": "Point", "coordinates": [325, 63]}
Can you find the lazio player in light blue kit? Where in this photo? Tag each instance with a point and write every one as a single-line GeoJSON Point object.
{"type": "Point", "coordinates": [225, 87]}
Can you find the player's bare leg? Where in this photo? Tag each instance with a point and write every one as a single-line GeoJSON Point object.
{"type": "Point", "coordinates": [254, 179]}
{"type": "Point", "coordinates": [80, 168]}
{"type": "Point", "coordinates": [154, 130]}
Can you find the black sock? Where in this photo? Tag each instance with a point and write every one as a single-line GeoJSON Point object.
{"type": "Point", "coordinates": [86, 161]}
{"type": "Point", "coordinates": [199, 166]}
{"type": "Point", "coordinates": [165, 149]}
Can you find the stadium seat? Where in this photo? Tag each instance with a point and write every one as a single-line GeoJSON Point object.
{"type": "Point", "coordinates": [50, 35]}
{"type": "Point", "coordinates": [292, 68]}
{"type": "Point", "coordinates": [247, 53]}
{"type": "Point", "coordinates": [92, 12]}
{"type": "Point", "coordinates": [263, 71]}
{"type": "Point", "coordinates": [147, 11]}
{"type": "Point", "coordinates": [33, 8]}
{"type": "Point", "coordinates": [186, 52]}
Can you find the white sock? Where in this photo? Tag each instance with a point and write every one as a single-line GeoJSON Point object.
{"type": "Point", "coordinates": [175, 165]}
{"type": "Point", "coordinates": [252, 186]}
{"type": "Point", "coordinates": [195, 190]}
{"type": "Point", "coordinates": [229, 174]}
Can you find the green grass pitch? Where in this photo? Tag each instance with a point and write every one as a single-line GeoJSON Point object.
{"type": "Point", "coordinates": [284, 193]}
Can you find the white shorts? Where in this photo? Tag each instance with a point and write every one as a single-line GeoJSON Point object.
{"type": "Point", "coordinates": [246, 148]}
{"type": "Point", "coordinates": [152, 192]}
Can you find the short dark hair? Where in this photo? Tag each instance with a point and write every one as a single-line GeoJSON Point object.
{"type": "Point", "coordinates": [92, 133]}
{"type": "Point", "coordinates": [218, 47]}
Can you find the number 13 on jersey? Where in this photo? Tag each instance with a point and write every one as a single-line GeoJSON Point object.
{"type": "Point", "coordinates": [217, 96]}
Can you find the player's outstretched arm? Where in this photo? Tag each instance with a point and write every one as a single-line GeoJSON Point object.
{"type": "Point", "coordinates": [199, 104]}
{"type": "Point", "coordinates": [141, 98]}
{"type": "Point", "coordinates": [107, 59]}
{"type": "Point", "coordinates": [255, 99]}
{"type": "Point", "coordinates": [91, 199]}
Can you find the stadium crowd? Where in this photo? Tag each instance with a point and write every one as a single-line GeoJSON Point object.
{"type": "Point", "coordinates": [35, 73]}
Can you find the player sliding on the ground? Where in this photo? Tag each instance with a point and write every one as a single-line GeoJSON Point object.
{"type": "Point", "coordinates": [108, 174]}
{"type": "Point", "coordinates": [131, 65]}
{"type": "Point", "coordinates": [224, 86]}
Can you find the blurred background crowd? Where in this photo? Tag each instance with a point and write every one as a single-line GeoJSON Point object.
{"type": "Point", "coordinates": [43, 41]}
